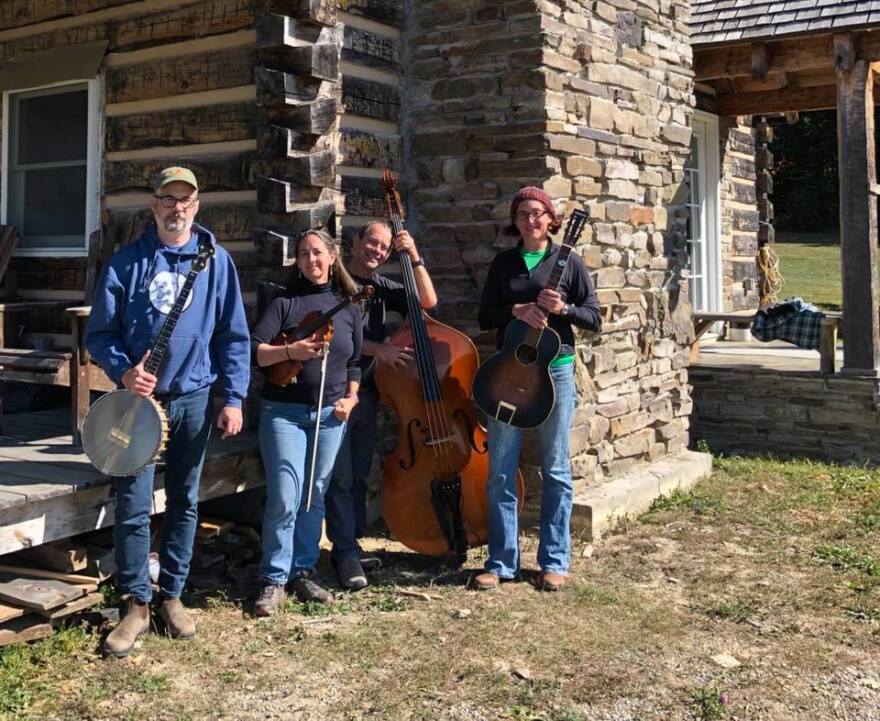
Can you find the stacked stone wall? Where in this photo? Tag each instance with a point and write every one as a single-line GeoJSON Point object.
{"type": "Point", "coordinates": [786, 414]}
{"type": "Point", "coordinates": [591, 101]}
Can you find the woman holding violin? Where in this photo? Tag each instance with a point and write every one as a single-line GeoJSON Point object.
{"type": "Point", "coordinates": [514, 289]}
{"type": "Point", "coordinates": [289, 418]}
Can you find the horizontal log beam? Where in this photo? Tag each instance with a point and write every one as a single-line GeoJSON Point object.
{"type": "Point", "coordinates": [371, 49]}
{"type": "Point", "coordinates": [178, 76]}
{"type": "Point", "coordinates": [319, 12]}
{"type": "Point", "coordinates": [783, 56]}
{"type": "Point", "coordinates": [363, 149]}
{"type": "Point", "coordinates": [209, 124]}
{"type": "Point", "coordinates": [777, 101]}
{"type": "Point", "coordinates": [389, 12]}
{"type": "Point", "coordinates": [230, 172]}
{"type": "Point", "coordinates": [371, 99]}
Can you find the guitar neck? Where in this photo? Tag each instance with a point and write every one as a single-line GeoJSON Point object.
{"type": "Point", "coordinates": [558, 268]}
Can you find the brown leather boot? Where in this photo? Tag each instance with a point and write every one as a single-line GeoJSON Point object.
{"type": "Point", "coordinates": [549, 581]}
{"type": "Point", "coordinates": [135, 623]}
{"type": "Point", "coordinates": [178, 623]}
{"type": "Point", "coordinates": [487, 581]}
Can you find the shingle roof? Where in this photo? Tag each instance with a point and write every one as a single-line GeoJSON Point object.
{"type": "Point", "coordinates": [721, 21]}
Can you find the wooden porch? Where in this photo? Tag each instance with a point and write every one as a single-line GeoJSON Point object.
{"type": "Point", "coordinates": [757, 73]}
{"type": "Point", "coordinates": [49, 490]}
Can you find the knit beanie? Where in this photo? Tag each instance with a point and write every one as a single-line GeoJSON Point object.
{"type": "Point", "coordinates": [533, 193]}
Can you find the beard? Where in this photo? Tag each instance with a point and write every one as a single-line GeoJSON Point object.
{"type": "Point", "coordinates": [177, 224]}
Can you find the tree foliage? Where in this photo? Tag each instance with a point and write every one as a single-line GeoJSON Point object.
{"type": "Point", "coordinates": [805, 182]}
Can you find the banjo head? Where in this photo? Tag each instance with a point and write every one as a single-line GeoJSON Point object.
{"type": "Point", "coordinates": [123, 433]}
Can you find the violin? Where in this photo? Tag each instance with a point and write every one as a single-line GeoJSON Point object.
{"type": "Point", "coordinates": [316, 326]}
{"type": "Point", "coordinates": [434, 498]}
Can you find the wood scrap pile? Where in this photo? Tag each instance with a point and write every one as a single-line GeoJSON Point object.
{"type": "Point", "coordinates": [48, 584]}
{"type": "Point", "coordinates": [43, 586]}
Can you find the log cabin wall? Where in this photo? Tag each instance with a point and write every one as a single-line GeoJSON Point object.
{"type": "Point", "coordinates": [370, 134]}
{"type": "Point", "coordinates": [739, 214]}
{"type": "Point", "coordinates": [176, 86]}
{"type": "Point", "coordinates": [247, 93]}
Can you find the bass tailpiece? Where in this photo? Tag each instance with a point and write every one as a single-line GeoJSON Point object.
{"type": "Point", "coordinates": [446, 500]}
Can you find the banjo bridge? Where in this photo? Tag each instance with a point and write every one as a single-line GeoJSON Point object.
{"type": "Point", "coordinates": [119, 437]}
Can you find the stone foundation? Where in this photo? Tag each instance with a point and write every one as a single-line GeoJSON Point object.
{"type": "Point", "coordinates": [787, 414]}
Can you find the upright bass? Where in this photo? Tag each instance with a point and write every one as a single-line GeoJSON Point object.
{"type": "Point", "coordinates": [434, 482]}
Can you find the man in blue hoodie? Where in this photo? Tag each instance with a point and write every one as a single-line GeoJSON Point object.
{"type": "Point", "coordinates": [210, 346]}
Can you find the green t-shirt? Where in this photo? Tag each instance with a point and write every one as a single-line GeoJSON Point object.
{"type": "Point", "coordinates": [531, 260]}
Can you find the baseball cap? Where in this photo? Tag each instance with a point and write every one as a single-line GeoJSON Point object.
{"type": "Point", "coordinates": [172, 174]}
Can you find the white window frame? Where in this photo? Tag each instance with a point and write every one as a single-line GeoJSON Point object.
{"type": "Point", "coordinates": [93, 164]}
{"type": "Point", "coordinates": [705, 125]}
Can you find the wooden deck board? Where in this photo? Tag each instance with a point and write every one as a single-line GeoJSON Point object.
{"type": "Point", "coordinates": [49, 490]}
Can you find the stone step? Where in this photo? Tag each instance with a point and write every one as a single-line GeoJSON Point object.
{"type": "Point", "coordinates": [599, 507]}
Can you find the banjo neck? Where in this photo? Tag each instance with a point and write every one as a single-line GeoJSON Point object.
{"type": "Point", "coordinates": [160, 347]}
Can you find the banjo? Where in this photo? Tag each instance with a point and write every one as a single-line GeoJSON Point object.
{"type": "Point", "coordinates": [123, 432]}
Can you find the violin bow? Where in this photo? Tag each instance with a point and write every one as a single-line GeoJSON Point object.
{"type": "Point", "coordinates": [325, 351]}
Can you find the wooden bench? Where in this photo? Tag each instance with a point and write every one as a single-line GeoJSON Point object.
{"type": "Point", "coordinates": [743, 319]}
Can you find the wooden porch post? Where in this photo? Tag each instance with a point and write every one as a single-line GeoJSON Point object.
{"type": "Point", "coordinates": [858, 208]}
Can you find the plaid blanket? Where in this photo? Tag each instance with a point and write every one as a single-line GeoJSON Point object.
{"type": "Point", "coordinates": [791, 320]}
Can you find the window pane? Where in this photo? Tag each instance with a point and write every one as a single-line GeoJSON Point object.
{"type": "Point", "coordinates": [52, 128]}
{"type": "Point", "coordinates": [52, 211]}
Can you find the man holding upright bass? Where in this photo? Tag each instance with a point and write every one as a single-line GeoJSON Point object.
{"type": "Point", "coordinates": [210, 342]}
{"type": "Point", "coordinates": [346, 497]}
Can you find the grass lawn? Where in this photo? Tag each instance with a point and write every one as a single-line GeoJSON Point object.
{"type": "Point", "coordinates": [810, 265]}
{"type": "Point", "coordinates": [756, 596]}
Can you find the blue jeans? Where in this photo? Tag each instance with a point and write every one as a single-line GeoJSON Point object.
{"type": "Point", "coordinates": [291, 535]}
{"type": "Point", "coordinates": [346, 501]}
{"type": "Point", "coordinates": [189, 419]}
{"type": "Point", "coordinates": [505, 444]}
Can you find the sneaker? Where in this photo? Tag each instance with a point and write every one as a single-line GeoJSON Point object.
{"type": "Point", "coordinates": [308, 590]}
{"type": "Point", "coordinates": [178, 623]}
{"type": "Point", "coordinates": [269, 599]}
{"type": "Point", "coordinates": [133, 625]}
{"type": "Point", "coordinates": [351, 574]}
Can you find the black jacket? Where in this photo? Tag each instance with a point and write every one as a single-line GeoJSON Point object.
{"type": "Point", "coordinates": [509, 282]}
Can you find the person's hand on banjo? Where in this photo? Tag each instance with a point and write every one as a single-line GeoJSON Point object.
{"type": "Point", "coordinates": [136, 380]}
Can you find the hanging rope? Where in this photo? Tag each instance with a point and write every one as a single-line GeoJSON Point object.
{"type": "Point", "coordinates": [770, 280]}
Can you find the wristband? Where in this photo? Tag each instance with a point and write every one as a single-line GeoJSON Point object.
{"type": "Point", "coordinates": [420, 263]}
{"type": "Point", "coordinates": [287, 351]}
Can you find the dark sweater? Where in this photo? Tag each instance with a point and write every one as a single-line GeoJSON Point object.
{"type": "Point", "coordinates": [387, 295]}
{"type": "Point", "coordinates": [284, 314]}
{"type": "Point", "coordinates": [509, 282]}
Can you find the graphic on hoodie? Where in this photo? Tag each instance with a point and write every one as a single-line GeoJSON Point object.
{"type": "Point", "coordinates": [164, 289]}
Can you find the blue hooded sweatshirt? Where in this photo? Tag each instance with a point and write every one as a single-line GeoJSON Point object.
{"type": "Point", "coordinates": [133, 300]}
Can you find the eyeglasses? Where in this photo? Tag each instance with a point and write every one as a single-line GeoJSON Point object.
{"type": "Point", "coordinates": [534, 215]}
{"type": "Point", "coordinates": [169, 201]}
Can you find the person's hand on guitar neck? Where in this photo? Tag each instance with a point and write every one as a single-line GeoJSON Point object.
{"type": "Point", "coordinates": [136, 380]}
{"type": "Point", "coordinates": [532, 314]}
{"type": "Point", "coordinates": [551, 301]}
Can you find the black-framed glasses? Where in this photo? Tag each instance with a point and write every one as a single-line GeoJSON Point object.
{"type": "Point", "coordinates": [533, 215]}
{"type": "Point", "coordinates": [169, 201]}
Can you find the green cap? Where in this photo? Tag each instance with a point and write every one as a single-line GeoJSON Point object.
{"type": "Point", "coordinates": [173, 174]}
